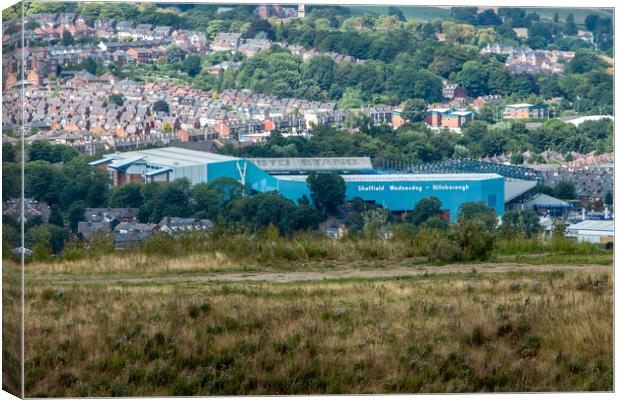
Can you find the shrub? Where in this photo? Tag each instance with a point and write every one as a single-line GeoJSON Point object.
{"type": "Point", "coordinates": [474, 240]}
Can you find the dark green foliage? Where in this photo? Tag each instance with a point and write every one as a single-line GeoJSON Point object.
{"type": "Point", "coordinates": [43, 150]}
{"type": "Point", "coordinates": [213, 200]}
{"type": "Point", "coordinates": [571, 27]}
{"type": "Point", "coordinates": [165, 200]}
{"type": "Point", "coordinates": [327, 191]}
{"type": "Point", "coordinates": [89, 64]}
{"type": "Point", "coordinates": [9, 154]}
{"type": "Point", "coordinates": [117, 98]}
{"type": "Point", "coordinates": [175, 54]}
{"type": "Point", "coordinates": [565, 190]}
{"type": "Point", "coordinates": [76, 214]}
{"type": "Point", "coordinates": [425, 209]}
{"type": "Point", "coordinates": [260, 26]}
{"type": "Point", "coordinates": [161, 105]}
{"type": "Point", "coordinates": [55, 217]}
{"type": "Point", "coordinates": [191, 65]}
{"type": "Point", "coordinates": [11, 181]}
{"type": "Point", "coordinates": [585, 60]}
{"type": "Point", "coordinates": [474, 239]}
{"type": "Point", "coordinates": [67, 38]}
{"type": "Point", "coordinates": [272, 209]}
{"type": "Point", "coordinates": [478, 211]}
{"type": "Point", "coordinates": [414, 110]}
{"type": "Point", "coordinates": [128, 195]}
{"type": "Point", "coordinates": [523, 223]}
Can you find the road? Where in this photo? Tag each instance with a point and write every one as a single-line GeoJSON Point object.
{"type": "Point", "coordinates": [297, 276]}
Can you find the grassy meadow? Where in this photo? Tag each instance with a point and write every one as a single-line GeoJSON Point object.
{"type": "Point", "coordinates": [92, 331]}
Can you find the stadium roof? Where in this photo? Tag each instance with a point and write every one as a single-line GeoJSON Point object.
{"type": "Point", "coordinates": [313, 164]}
{"type": "Point", "coordinates": [402, 177]}
{"type": "Point", "coordinates": [167, 157]}
{"type": "Point", "coordinates": [514, 188]}
{"type": "Point", "coordinates": [546, 201]}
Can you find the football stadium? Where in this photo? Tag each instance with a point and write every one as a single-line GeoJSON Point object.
{"type": "Point", "coordinates": [454, 183]}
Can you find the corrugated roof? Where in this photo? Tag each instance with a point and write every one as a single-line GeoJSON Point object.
{"type": "Point", "coordinates": [542, 200]}
{"type": "Point", "coordinates": [168, 157]}
{"type": "Point", "coordinates": [593, 225]}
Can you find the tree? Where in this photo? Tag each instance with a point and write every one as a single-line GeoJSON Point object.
{"type": "Point", "coordinates": [521, 222]}
{"type": "Point", "coordinates": [327, 191]}
{"type": "Point", "coordinates": [474, 240]}
{"type": "Point", "coordinates": [128, 195]}
{"type": "Point", "coordinates": [8, 153]}
{"type": "Point", "coordinates": [585, 60]}
{"type": "Point", "coordinates": [478, 211]}
{"type": "Point", "coordinates": [161, 106]}
{"type": "Point", "coordinates": [414, 110]}
{"type": "Point", "coordinates": [396, 12]}
{"type": "Point", "coordinates": [320, 69]}
{"type": "Point", "coordinates": [517, 159]}
{"type": "Point", "coordinates": [565, 190]}
{"type": "Point", "coordinates": [213, 199]}
{"type": "Point", "coordinates": [488, 17]}
{"type": "Point", "coordinates": [192, 65]}
{"type": "Point", "coordinates": [174, 54]}
{"type": "Point", "coordinates": [76, 214]}
{"type": "Point", "coordinates": [117, 98]}
{"type": "Point", "coordinates": [425, 209]}
{"type": "Point", "coordinates": [570, 28]}
{"type": "Point", "coordinates": [170, 200]}
{"type": "Point", "coordinates": [67, 38]}
{"type": "Point", "coordinates": [591, 22]}
{"type": "Point", "coordinates": [262, 210]}
{"type": "Point", "coordinates": [55, 217]}
{"type": "Point", "coordinates": [474, 78]}
{"type": "Point", "coordinates": [539, 35]}
{"type": "Point", "coordinates": [375, 221]}
{"type": "Point", "coordinates": [609, 199]}
{"type": "Point", "coordinates": [260, 26]}
{"type": "Point", "coordinates": [90, 65]}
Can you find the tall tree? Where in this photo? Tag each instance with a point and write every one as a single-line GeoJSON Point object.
{"type": "Point", "coordinates": [570, 28]}
{"type": "Point", "coordinates": [327, 191]}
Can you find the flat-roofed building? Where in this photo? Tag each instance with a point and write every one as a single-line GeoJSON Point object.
{"type": "Point", "coordinates": [592, 231]}
{"type": "Point", "coordinates": [526, 111]}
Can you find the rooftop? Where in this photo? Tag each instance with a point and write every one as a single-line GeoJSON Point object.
{"type": "Point", "coordinates": [168, 157]}
{"type": "Point", "coordinates": [403, 177]}
{"type": "Point", "coordinates": [594, 225]}
{"type": "Point", "coordinates": [313, 164]}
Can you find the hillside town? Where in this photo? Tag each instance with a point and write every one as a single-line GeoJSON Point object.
{"type": "Point", "coordinates": [257, 199]}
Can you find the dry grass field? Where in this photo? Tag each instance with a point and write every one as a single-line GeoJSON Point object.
{"type": "Point", "coordinates": [92, 331]}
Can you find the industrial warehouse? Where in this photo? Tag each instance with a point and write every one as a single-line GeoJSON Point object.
{"type": "Point", "coordinates": [395, 190]}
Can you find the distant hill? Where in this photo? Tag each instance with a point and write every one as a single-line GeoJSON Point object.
{"type": "Point", "coordinates": [433, 13]}
{"type": "Point", "coordinates": [416, 13]}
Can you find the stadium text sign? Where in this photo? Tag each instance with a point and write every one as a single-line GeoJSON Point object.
{"type": "Point", "coordinates": [412, 188]}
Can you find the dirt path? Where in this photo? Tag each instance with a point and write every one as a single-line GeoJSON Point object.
{"type": "Point", "coordinates": [294, 276]}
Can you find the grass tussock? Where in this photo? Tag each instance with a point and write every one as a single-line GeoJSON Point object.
{"type": "Point", "coordinates": [199, 251]}
{"type": "Point", "coordinates": [458, 333]}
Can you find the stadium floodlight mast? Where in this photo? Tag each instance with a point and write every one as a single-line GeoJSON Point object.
{"type": "Point", "coordinates": [242, 173]}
